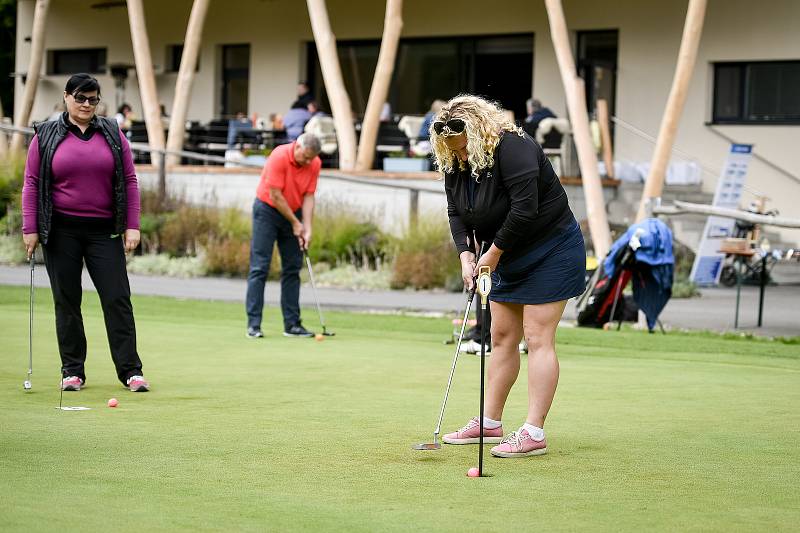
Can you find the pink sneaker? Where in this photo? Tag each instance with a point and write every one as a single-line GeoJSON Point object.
{"type": "Point", "coordinates": [71, 383]}
{"type": "Point", "coordinates": [520, 444]}
{"type": "Point", "coordinates": [470, 434]}
{"type": "Point", "coordinates": [138, 384]}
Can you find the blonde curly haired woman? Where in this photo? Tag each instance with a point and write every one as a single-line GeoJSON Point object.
{"type": "Point", "coordinates": [502, 191]}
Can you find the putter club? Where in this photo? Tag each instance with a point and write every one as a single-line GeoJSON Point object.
{"type": "Point", "coordinates": [316, 300]}
{"type": "Point", "coordinates": [27, 385]}
{"type": "Point", "coordinates": [62, 407]}
{"type": "Point", "coordinates": [435, 445]}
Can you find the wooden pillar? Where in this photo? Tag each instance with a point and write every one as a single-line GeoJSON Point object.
{"type": "Point", "coordinates": [605, 136]}
{"type": "Point", "coordinates": [579, 118]}
{"type": "Point", "coordinates": [690, 41]}
{"type": "Point", "coordinates": [334, 83]}
{"type": "Point", "coordinates": [3, 140]}
{"type": "Point", "coordinates": [392, 26]}
{"type": "Point", "coordinates": [183, 86]}
{"type": "Point", "coordinates": [23, 114]}
{"type": "Point", "coordinates": [146, 77]}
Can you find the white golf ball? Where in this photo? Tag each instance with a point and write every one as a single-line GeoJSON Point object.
{"type": "Point", "coordinates": [27, 385]}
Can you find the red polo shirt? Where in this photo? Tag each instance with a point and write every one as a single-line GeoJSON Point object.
{"type": "Point", "coordinates": [282, 172]}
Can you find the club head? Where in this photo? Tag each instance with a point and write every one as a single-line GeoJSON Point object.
{"type": "Point", "coordinates": [427, 446]}
{"type": "Point", "coordinates": [328, 333]}
{"type": "Point", "coordinates": [27, 385]}
{"type": "Point", "coordinates": [73, 408]}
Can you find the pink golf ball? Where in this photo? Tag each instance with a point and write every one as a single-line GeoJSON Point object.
{"type": "Point", "coordinates": [113, 402]}
{"type": "Point", "coordinates": [473, 472]}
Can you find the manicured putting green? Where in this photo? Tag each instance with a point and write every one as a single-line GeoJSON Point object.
{"type": "Point", "coordinates": [648, 432]}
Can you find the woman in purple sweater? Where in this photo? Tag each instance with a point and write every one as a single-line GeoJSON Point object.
{"type": "Point", "coordinates": [80, 200]}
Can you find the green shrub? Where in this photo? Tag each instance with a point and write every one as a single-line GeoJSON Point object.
{"type": "Point", "coordinates": [425, 257]}
{"type": "Point", "coordinates": [682, 287]}
{"type": "Point", "coordinates": [187, 230]}
{"type": "Point", "coordinates": [11, 178]}
{"type": "Point", "coordinates": [228, 257]}
{"type": "Point", "coordinates": [12, 250]}
{"type": "Point", "coordinates": [164, 265]}
{"type": "Point", "coordinates": [344, 234]}
{"type": "Point", "coordinates": [350, 277]}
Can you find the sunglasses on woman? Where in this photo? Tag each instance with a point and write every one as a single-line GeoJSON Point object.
{"type": "Point", "coordinates": [82, 98]}
{"type": "Point", "coordinates": [454, 126]}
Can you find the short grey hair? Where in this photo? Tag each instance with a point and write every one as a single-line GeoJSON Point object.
{"type": "Point", "coordinates": [310, 142]}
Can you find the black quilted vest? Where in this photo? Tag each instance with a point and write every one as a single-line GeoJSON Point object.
{"type": "Point", "coordinates": [50, 134]}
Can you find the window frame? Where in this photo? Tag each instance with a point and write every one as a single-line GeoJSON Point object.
{"type": "Point", "coordinates": [102, 65]}
{"type": "Point", "coordinates": [745, 89]}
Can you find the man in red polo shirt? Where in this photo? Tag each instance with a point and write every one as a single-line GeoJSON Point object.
{"type": "Point", "coordinates": [282, 212]}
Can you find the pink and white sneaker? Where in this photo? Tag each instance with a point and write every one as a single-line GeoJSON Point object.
{"type": "Point", "coordinates": [470, 434]}
{"type": "Point", "coordinates": [71, 383]}
{"type": "Point", "coordinates": [138, 384]}
{"type": "Point", "coordinates": [520, 444]}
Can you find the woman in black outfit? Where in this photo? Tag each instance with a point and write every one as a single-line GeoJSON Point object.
{"type": "Point", "coordinates": [502, 191]}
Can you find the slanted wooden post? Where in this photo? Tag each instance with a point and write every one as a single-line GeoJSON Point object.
{"type": "Point", "coordinates": [3, 140]}
{"type": "Point", "coordinates": [576, 104]}
{"type": "Point", "coordinates": [605, 136]}
{"type": "Point", "coordinates": [23, 114]}
{"type": "Point", "coordinates": [690, 41]}
{"type": "Point", "coordinates": [147, 80]}
{"type": "Point", "coordinates": [334, 83]}
{"type": "Point", "coordinates": [392, 26]}
{"type": "Point", "coordinates": [183, 86]}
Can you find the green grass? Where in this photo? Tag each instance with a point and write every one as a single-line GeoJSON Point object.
{"type": "Point", "coordinates": [648, 432]}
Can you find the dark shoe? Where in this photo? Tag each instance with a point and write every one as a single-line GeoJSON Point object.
{"type": "Point", "coordinates": [297, 331]}
{"type": "Point", "coordinates": [254, 333]}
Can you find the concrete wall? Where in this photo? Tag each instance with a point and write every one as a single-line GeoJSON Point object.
{"type": "Point", "coordinates": [649, 37]}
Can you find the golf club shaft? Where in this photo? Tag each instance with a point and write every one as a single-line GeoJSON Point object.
{"type": "Point", "coordinates": [314, 290]}
{"type": "Point", "coordinates": [470, 297]}
{"type": "Point", "coordinates": [30, 325]}
{"type": "Point", "coordinates": [483, 366]}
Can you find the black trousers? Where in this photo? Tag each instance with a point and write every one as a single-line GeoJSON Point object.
{"type": "Point", "coordinates": [72, 242]}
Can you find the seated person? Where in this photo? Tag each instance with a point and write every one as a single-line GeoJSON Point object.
{"type": "Point", "coordinates": [536, 113]}
{"type": "Point", "coordinates": [294, 121]}
{"type": "Point", "coordinates": [424, 130]}
{"type": "Point", "coordinates": [237, 125]}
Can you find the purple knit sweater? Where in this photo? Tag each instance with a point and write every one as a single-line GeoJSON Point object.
{"type": "Point", "coordinates": [83, 172]}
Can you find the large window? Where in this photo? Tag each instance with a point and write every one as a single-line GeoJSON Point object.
{"type": "Point", "coordinates": [90, 60]}
{"type": "Point", "coordinates": [764, 92]}
{"type": "Point", "coordinates": [498, 67]}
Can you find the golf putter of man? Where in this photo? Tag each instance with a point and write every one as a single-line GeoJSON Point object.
{"type": "Point", "coordinates": [325, 332]}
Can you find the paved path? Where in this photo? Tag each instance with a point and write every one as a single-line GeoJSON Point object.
{"type": "Point", "coordinates": [713, 311]}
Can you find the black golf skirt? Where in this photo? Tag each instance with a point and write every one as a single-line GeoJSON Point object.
{"type": "Point", "coordinates": [551, 271]}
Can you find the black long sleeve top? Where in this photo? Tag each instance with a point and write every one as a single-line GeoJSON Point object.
{"type": "Point", "coordinates": [515, 204]}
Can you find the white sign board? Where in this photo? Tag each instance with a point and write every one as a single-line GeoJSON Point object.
{"type": "Point", "coordinates": [708, 262]}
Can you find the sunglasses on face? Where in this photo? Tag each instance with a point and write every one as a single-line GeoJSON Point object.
{"type": "Point", "coordinates": [454, 126]}
{"type": "Point", "coordinates": [81, 99]}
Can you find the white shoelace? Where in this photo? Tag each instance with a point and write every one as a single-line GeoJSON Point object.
{"type": "Point", "coordinates": [514, 439]}
{"type": "Point", "coordinates": [471, 424]}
